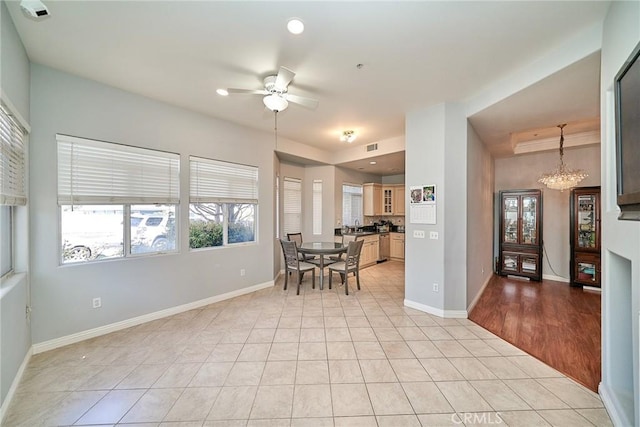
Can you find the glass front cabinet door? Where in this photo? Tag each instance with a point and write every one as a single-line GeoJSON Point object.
{"type": "Point", "coordinates": [520, 241]}
{"type": "Point", "coordinates": [585, 236]}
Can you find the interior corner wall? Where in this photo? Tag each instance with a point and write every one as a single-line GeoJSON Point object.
{"type": "Point", "coordinates": [136, 286]}
{"type": "Point", "coordinates": [480, 182]}
{"type": "Point", "coordinates": [522, 172]}
{"type": "Point", "coordinates": [15, 333]}
{"type": "Point", "coordinates": [620, 239]}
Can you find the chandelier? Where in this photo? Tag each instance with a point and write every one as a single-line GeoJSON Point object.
{"type": "Point", "coordinates": [562, 178]}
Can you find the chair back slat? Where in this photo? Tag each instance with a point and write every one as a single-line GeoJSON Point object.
{"type": "Point", "coordinates": [348, 238]}
{"type": "Point", "coordinates": [353, 253]}
{"type": "Point", "coordinates": [290, 252]}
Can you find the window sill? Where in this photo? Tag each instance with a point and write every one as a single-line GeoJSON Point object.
{"type": "Point", "coordinates": [9, 282]}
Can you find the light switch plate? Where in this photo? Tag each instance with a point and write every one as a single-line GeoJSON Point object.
{"type": "Point", "coordinates": [433, 235]}
{"type": "Point", "coordinates": [418, 234]}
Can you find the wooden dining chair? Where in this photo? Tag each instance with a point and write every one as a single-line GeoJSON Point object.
{"type": "Point", "coordinates": [345, 241]}
{"type": "Point", "coordinates": [293, 264]}
{"type": "Point", "coordinates": [350, 264]}
{"type": "Point", "coordinates": [297, 237]}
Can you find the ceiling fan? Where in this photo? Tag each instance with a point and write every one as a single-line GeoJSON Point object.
{"type": "Point", "coordinates": [276, 92]}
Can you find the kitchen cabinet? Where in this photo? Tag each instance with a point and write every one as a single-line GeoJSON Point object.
{"type": "Point", "coordinates": [372, 199]}
{"type": "Point", "coordinates": [387, 200]}
{"type": "Point", "coordinates": [585, 236]}
{"type": "Point", "coordinates": [369, 253]}
{"type": "Point", "coordinates": [397, 246]}
{"type": "Point", "coordinates": [520, 233]}
{"type": "Point", "coordinates": [398, 200]}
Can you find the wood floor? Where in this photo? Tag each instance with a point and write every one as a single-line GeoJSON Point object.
{"type": "Point", "coordinates": [552, 321]}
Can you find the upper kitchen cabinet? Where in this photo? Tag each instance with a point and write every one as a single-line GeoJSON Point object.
{"type": "Point", "coordinates": [520, 233]}
{"type": "Point", "coordinates": [372, 199]}
{"type": "Point", "coordinates": [387, 200]}
{"type": "Point", "coordinates": [398, 200]}
{"type": "Point", "coordinates": [585, 236]}
{"type": "Point", "coordinates": [383, 199]}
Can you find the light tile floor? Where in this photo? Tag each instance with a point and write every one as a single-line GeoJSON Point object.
{"type": "Point", "coordinates": [272, 358]}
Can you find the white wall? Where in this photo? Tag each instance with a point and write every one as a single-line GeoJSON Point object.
{"type": "Point", "coordinates": [480, 181]}
{"type": "Point", "coordinates": [15, 334]}
{"type": "Point", "coordinates": [620, 387]}
{"type": "Point", "coordinates": [522, 172]}
{"type": "Point", "coordinates": [436, 141]}
{"type": "Point", "coordinates": [61, 295]}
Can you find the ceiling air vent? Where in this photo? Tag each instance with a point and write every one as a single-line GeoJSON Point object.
{"type": "Point", "coordinates": [372, 147]}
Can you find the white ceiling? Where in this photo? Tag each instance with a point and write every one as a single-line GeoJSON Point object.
{"type": "Point", "coordinates": [415, 54]}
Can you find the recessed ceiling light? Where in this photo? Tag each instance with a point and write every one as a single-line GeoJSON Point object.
{"type": "Point", "coordinates": [373, 163]}
{"type": "Point", "coordinates": [222, 92]}
{"type": "Point", "coordinates": [295, 26]}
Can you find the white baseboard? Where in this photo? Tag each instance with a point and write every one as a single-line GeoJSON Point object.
{"type": "Point", "coordinates": [479, 294]}
{"type": "Point", "coordinates": [455, 314]}
{"type": "Point", "coordinates": [616, 413]}
{"type": "Point", "coordinates": [113, 327]}
{"type": "Point", "coordinates": [556, 278]}
{"type": "Point", "coordinates": [14, 385]}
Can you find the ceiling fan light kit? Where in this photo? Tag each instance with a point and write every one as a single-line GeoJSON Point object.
{"type": "Point", "coordinates": [275, 102]}
{"type": "Point", "coordinates": [276, 96]}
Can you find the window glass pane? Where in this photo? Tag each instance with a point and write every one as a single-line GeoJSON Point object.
{"type": "Point", "coordinates": [351, 204]}
{"type": "Point", "coordinates": [91, 232]}
{"type": "Point", "coordinates": [6, 253]}
{"type": "Point", "coordinates": [153, 228]}
{"type": "Point", "coordinates": [292, 205]}
{"type": "Point", "coordinates": [242, 220]}
{"type": "Point", "coordinates": [317, 207]}
{"type": "Point", "coordinates": [206, 224]}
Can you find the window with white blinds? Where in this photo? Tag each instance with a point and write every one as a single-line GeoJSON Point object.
{"type": "Point", "coordinates": [96, 172]}
{"type": "Point", "coordinates": [214, 181]}
{"type": "Point", "coordinates": [12, 163]}
{"type": "Point", "coordinates": [317, 207]}
{"type": "Point", "coordinates": [292, 205]}
{"type": "Point", "coordinates": [351, 204]}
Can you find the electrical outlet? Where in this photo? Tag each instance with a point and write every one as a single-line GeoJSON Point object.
{"type": "Point", "coordinates": [242, 272]}
{"type": "Point", "coordinates": [97, 302]}
{"type": "Point", "coordinates": [436, 288]}
{"type": "Point", "coordinates": [418, 234]}
{"type": "Point", "coordinates": [433, 235]}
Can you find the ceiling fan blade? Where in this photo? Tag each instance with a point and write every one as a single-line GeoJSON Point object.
{"type": "Point", "coordinates": [248, 91]}
{"type": "Point", "coordinates": [305, 102]}
{"type": "Point", "coordinates": [283, 79]}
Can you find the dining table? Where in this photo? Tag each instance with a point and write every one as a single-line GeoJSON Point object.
{"type": "Point", "coordinates": [322, 249]}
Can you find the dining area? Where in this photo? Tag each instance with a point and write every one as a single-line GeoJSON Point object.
{"type": "Point", "coordinates": [305, 257]}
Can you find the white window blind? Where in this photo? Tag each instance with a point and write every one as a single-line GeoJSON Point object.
{"type": "Point", "coordinates": [96, 172]}
{"type": "Point", "coordinates": [317, 207]}
{"type": "Point", "coordinates": [12, 164]}
{"type": "Point", "coordinates": [292, 205]}
{"type": "Point", "coordinates": [213, 181]}
{"type": "Point", "coordinates": [351, 204]}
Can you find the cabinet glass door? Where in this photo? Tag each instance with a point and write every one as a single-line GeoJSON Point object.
{"type": "Point", "coordinates": [529, 264]}
{"type": "Point", "coordinates": [586, 233]}
{"type": "Point", "coordinates": [510, 262]}
{"type": "Point", "coordinates": [510, 216]}
{"type": "Point", "coordinates": [529, 220]}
